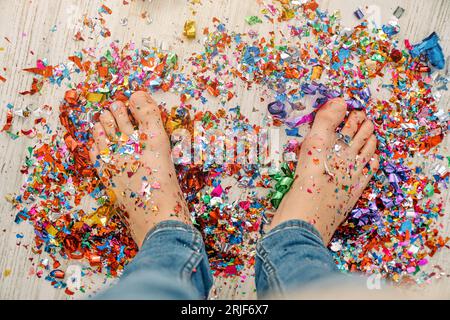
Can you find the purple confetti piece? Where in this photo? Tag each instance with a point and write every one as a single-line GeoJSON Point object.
{"type": "Point", "coordinates": [310, 89]}
{"type": "Point", "coordinates": [353, 104]}
{"type": "Point", "coordinates": [277, 109]}
{"type": "Point", "coordinates": [365, 94]}
{"type": "Point", "coordinates": [320, 102]}
{"type": "Point", "coordinates": [298, 121]}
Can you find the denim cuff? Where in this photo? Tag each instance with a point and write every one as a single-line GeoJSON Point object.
{"type": "Point", "coordinates": [177, 249]}
{"type": "Point", "coordinates": [289, 257]}
{"type": "Point", "coordinates": [170, 225]}
{"type": "Point", "coordinates": [292, 224]}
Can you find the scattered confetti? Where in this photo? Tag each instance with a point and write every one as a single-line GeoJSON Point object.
{"type": "Point", "coordinates": [393, 229]}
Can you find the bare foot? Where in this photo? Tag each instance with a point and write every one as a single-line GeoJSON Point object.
{"type": "Point", "coordinates": [331, 175]}
{"type": "Point", "coordinates": [136, 165]}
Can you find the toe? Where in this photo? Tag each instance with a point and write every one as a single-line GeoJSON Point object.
{"type": "Point", "coordinates": [93, 155]}
{"type": "Point", "coordinates": [372, 168]}
{"type": "Point", "coordinates": [100, 137]}
{"type": "Point", "coordinates": [369, 171]}
{"type": "Point", "coordinates": [120, 113]}
{"type": "Point", "coordinates": [368, 150]}
{"type": "Point", "coordinates": [365, 159]}
{"type": "Point", "coordinates": [374, 163]}
{"type": "Point", "coordinates": [354, 121]}
{"type": "Point", "coordinates": [362, 136]}
{"type": "Point", "coordinates": [145, 110]}
{"type": "Point", "coordinates": [326, 121]}
{"type": "Point", "coordinates": [330, 116]}
{"type": "Point", "coordinates": [109, 124]}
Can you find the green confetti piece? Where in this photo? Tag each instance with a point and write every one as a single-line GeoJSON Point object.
{"type": "Point", "coordinates": [364, 41]}
{"type": "Point", "coordinates": [429, 190]}
{"type": "Point", "coordinates": [378, 57]}
{"type": "Point", "coordinates": [109, 57]}
{"type": "Point", "coordinates": [206, 198]}
{"type": "Point", "coordinates": [282, 48]}
{"type": "Point", "coordinates": [172, 59]}
{"type": "Point", "coordinates": [12, 135]}
{"type": "Point", "coordinates": [285, 179]}
{"type": "Point", "coordinates": [252, 20]}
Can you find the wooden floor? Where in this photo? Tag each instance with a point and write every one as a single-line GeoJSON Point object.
{"type": "Point", "coordinates": [46, 28]}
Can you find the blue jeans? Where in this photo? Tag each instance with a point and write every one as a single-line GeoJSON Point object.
{"type": "Point", "coordinates": [172, 263]}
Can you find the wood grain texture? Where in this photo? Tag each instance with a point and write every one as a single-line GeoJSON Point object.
{"type": "Point", "coordinates": [28, 25]}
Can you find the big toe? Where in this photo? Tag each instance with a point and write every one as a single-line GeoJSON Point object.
{"type": "Point", "coordinates": [322, 134]}
{"type": "Point", "coordinates": [330, 116]}
{"type": "Point", "coordinates": [145, 111]}
{"type": "Point", "coordinates": [148, 118]}
{"type": "Point", "coordinates": [327, 119]}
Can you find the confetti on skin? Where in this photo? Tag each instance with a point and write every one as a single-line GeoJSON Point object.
{"type": "Point", "coordinates": [377, 238]}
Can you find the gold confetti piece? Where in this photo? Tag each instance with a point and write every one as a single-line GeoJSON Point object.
{"type": "Point", "coordinates": [171, 125]}
{"type": "Point", "coordinates": [190, 29]}
{"type": "Point", "coordinates": [6, 273]}
{"type": "Point", "coordinates": [317, 72]}
{"type": "Point", "coordinates": [287, 14]}
{"type": "Point", "coordinates": [111, 195]}
{"type": "Point", "coordinates": [101, 216]}
{"type": "Point", "coordinates": [10, 198]}
{"type": "Point", "coordinates": [95, 97]}
{"type": "Point", "coordinates": [51, 230]}
{"type": "Point", "coordinates": [96, 220]}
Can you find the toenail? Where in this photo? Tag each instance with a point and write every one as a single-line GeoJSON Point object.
{"type": "Point", "coordinates": [114, 106]}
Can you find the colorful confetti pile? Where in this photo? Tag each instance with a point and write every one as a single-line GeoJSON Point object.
{"type": "Point", "coordinates": [394, 228]}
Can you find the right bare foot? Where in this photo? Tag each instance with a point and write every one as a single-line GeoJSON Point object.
{"type": "Point", "coordinates": [331, 175]}
{"type": "Point", "coordinates": [136, 165]}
